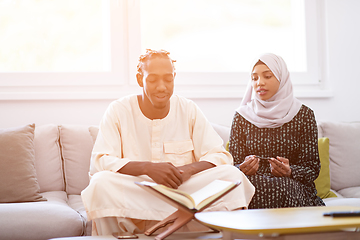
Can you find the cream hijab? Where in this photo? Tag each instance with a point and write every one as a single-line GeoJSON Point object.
{"type": "Point", "coordinates": [280, 108]}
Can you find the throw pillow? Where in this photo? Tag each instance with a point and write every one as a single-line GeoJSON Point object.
{"type": "Point", "coordinates": [344, 153]}
{"type": "Point", "coordinates": [76, 146]}
{"type": "Point", "coordinates": [322, 183]}
{"type": "Point", "coordinates": [18, 181]}
{"type": "Point", "coordinates": [48, 159]}
{"type": "Point", "coordinates": [94, 130]}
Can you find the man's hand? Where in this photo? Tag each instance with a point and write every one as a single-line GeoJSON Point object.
{"type": "Point", "coordinates": [280, 167]}
{"type": "Point", "coordinates": [186, 172]}
{"type": "Point", "coordinates": [165, 173]}
{"type": "Point", "coordinates": [190, 169]}
{"type": "Point", "coordinates": [250, 165]}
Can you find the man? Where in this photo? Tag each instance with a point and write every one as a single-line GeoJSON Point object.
{"type": "Point", "coordinates": [159, 137]}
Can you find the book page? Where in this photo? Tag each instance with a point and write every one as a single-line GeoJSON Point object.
{"type": "Point", "coordinates": [213, 189]}
{"type": "Point", "coordinates": [196, 200]}
{"type": "Point", "coordinates": [177, 195]}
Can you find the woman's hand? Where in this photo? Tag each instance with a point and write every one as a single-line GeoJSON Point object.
{"type": "Point", "coordinates": [250, 165]}
{"type": "Point", "coordinates": [280, 167]}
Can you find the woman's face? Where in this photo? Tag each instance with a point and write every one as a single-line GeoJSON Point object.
{"type": "Point", "coordinates": [264, 82]}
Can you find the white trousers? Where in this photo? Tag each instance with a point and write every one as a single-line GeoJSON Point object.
{"type": "Point", "coordinates": [112, 194]}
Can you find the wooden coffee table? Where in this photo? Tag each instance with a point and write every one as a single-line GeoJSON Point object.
{"type": "Point", "coordinates": [285, 223]}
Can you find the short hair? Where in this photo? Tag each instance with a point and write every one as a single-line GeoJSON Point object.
{"type": "Point", "coordinates": [150, 54]}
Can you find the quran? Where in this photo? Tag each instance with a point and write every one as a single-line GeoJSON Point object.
{"type": "Point", "coordinates": [187, 204]}
{"type": "Point", "coordinates": [195, 201]}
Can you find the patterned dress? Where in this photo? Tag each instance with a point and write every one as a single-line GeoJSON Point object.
{"type": "Point", "coordinates": [296, 141]}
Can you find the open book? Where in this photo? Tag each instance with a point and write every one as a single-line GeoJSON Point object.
{"type": "Point", "coordinates": [195, 201]}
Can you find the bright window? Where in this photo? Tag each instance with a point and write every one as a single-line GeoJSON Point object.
{"type": "Point", "coordinates": [89, 48]}
{"type": "Point", "coordinates": [215, 42]}
{"type": "Point", "coordinates": [65, 44]}
{"type": "Point", "coordinates": [224, 36]}
{"type": "Point", "coordinates": [54, 36]}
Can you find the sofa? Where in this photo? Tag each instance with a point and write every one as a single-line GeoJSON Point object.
{"type": "Point", "coordinates": [60, 155]}
{"type": "Point", "coordinates": [343, 162]}
{"type": "Point", "coordinates": [43, 170]}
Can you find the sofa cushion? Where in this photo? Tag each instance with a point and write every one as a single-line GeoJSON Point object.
{"type": "Point", "coordinates": [322, 183]}
{"type": "Point", "coordinates": [351, 192]}
{"type": "Point", "coordinates": [76, 146]}
{"type": "Point", "coordinates": [338, 195]}
{"type": "Point", "coordinates": [18, 182]}
{"type": "Point", "coordinates": [39, 221]}
{"type": "Point", "coordinates": [224, 132]}
{"type": "Point", "coordinates": [56, 197]}
{"type": "Point", "coordinates": [344, 153]}
{"type": "Point", "coordinates": [320, 131]}
{"type": "Point", "coordinates": [48, 162]}
{"type": "Point", "coordinates": [75, 202]}
{"type": "Point", "coordinates": [342, 202]}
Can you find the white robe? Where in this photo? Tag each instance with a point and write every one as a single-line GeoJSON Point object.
{"type": "Point", "coordinates": [184, 136]}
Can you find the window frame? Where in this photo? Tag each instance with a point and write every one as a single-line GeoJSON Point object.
{"type": "Point", "coordinates": [125, 49]}
{"type": "Point", "coordinates": [233, 85]}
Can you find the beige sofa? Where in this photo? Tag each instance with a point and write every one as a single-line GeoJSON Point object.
{"type": "Point", "coordinates": [344, 159]}
{"type": "Point", "coordinates": [62, 155]}
{"type": "Point", "coordinates": [61, 160]}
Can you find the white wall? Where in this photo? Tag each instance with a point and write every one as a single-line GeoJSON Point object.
{"type": "Point", "coordinates": [342, 49]}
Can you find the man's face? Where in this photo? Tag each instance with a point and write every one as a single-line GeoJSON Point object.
{"type": "Point", "coordinates": [158, 81]}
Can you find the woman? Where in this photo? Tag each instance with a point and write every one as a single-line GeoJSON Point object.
{"type": "Point", "coordinates": [274, 139]}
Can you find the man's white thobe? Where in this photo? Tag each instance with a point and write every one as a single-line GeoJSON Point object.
{"type": "Point", "coordinates": [184, 136]}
